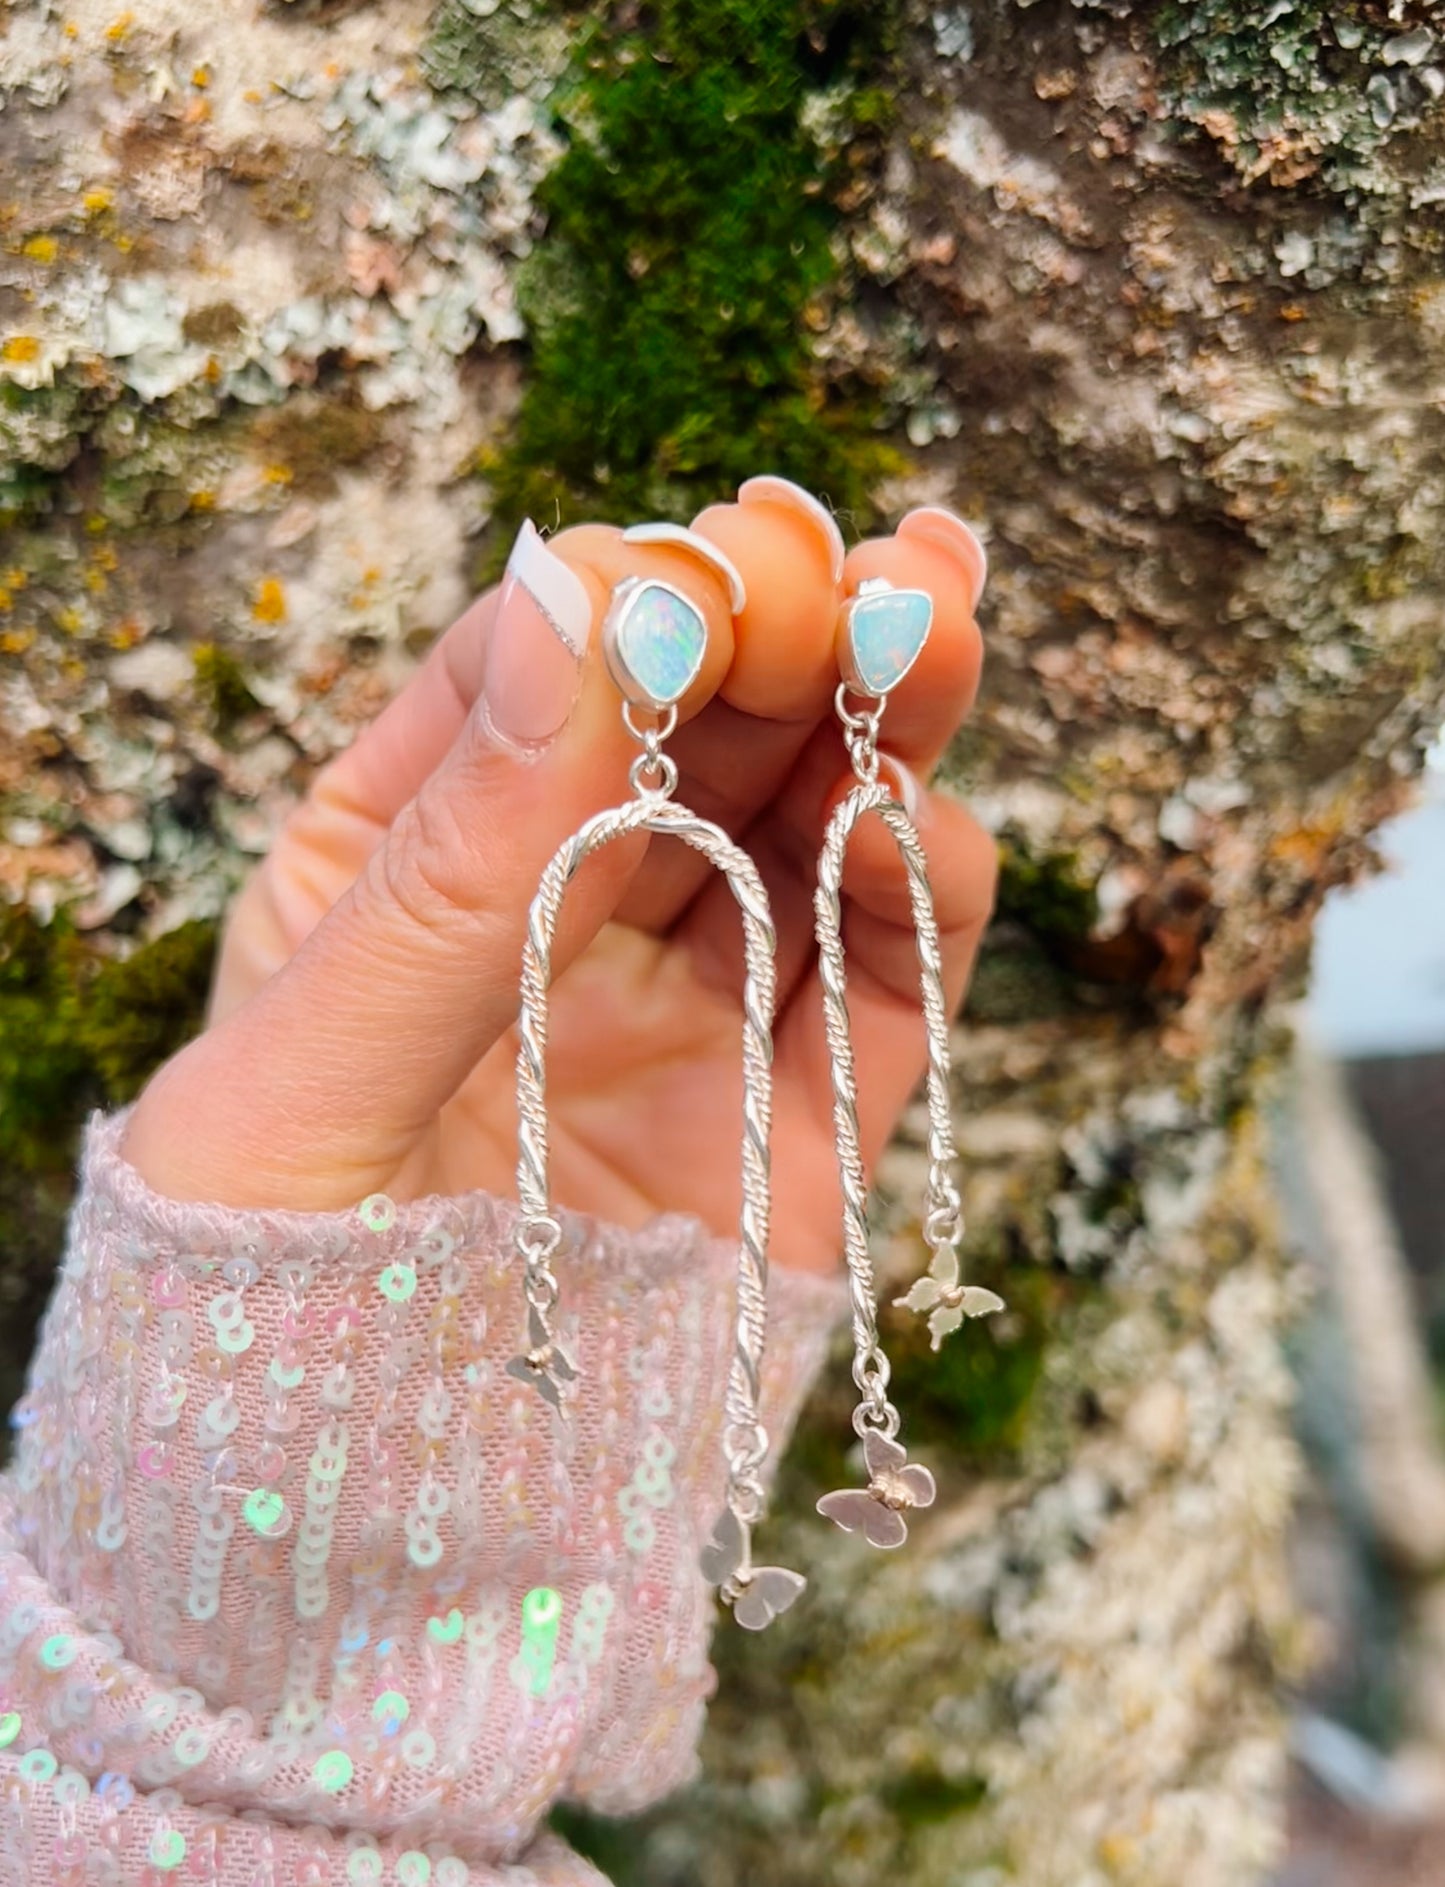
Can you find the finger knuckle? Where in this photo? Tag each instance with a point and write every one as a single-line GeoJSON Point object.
{"type": "Point", "coordinates": [428, 868]}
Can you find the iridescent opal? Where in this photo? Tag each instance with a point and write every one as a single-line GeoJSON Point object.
{"type": "Point", "coordinates": [656, 644]}
{"type": "Point", "coordinates": [885, 632]}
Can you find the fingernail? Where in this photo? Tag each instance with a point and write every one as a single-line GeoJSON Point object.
{"type": "Point", "coordinates": [769, 489]}
{"type": "Point", "coordinates": [944, 527]}
{"type": "Point", "coordinates": [538, 639]}
{"type": "Point", "coordinates": [701, 547]}
{"type": "Point", "coordinates": [909, 790]}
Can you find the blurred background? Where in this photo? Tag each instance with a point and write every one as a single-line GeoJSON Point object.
{"type": "Point", "coordinates": [304, 305]}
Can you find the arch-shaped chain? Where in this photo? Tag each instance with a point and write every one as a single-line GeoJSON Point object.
{"type": "Point", "coordinates": [538, 1233]}
{"type": "Point", "coordinates": [942, 1223]}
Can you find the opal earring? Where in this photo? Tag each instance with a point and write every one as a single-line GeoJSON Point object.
{"type": "Point", "coordinates": [654, 640]}
{"type": "Point", "coordinates": [881, 634]}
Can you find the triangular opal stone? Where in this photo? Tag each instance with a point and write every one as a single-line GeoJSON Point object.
{"type": "Point", "coordinates": [885, 633]}
{"type": "Point", "coordinates": [657, 644]}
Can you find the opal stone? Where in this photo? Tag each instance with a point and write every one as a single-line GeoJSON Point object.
{"type": "Point", "coordinates": [886, 630]}
{"type": "Point", "coordinates": [657, 644]}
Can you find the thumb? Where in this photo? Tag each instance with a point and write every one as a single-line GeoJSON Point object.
{"type": "Point", "coordinates": [321, 1084]}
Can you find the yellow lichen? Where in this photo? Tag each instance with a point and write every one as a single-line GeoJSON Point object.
{"type": "Point", "coordinates": [20, 348]}
{"type": "Point", "coordinates": [119, 27]}
{"type": "Point", "coordinates": [269, 602]}
{"type": "Point", "coordinates": [43, 249]}
{"type": "Point", "coordinates": [97, 200]}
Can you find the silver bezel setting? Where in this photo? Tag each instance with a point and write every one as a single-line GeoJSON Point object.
{"type": "Point", "coordinates": [847, 664]}
{"type": "Point", "coordinates": [625, 598]}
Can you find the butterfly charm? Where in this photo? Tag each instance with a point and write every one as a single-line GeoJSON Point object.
{"type": "Point", "coordinates": [757, 1596]}
{"type": "Point", "coordinates": [895, 1486]}
{"type": "Point", "coordinates": [769, 1590]}
{"type": "Point", "coordinates": [723, 1553]}
{"type": "Point", "coordinates": [946, 1300]}
{"type": "Point", "coordinates": [546, 1365]}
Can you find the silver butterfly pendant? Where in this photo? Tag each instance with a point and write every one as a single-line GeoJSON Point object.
{"type": "Point", "coordinates": [946, 1300]}
{"type": "Point", "coordinates": [546, 1365]}
{"type": "Point", "coordinates": [895, 1486]}
{"type": "Point", "coordinates": [757, 1596]}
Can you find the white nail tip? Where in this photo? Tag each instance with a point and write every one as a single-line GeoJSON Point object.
{"type": "Point", "coordinates": [770, 489]}
{"type": "Point", "coordinates": [908, 788]}
{"type": "Point", "coordinates": [700, 546]}
{"type": "Point", "coordinates": [553, 586]}
{"type": "Point", "coordinates": [929, 520]}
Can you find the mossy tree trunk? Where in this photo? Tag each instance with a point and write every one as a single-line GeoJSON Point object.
{"type": "Point", "coordinates": [301, 305]}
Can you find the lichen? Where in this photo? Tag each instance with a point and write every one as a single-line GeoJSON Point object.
{"type": "Point", "coordinates": [1297, 91]}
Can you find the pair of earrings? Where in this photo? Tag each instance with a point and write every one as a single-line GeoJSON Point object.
{"type": "Point", "coordinates": [654, 639]}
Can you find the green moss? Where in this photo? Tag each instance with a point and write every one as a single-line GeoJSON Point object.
{"type": "Point", "coordinates": [924, 1797]}
{"type": "Point", "coordinates": [690, 233]}
{"type": "Point", "coordinates": [221, 684]}
{"type": "Point", "coordinates": [1048, 895]}
{"type": "Point", "coordinates": [137, 1012]}
{"type": "Point", "coordinates": [77, 1031]}
{"type": "Point", "coordinates": [1015, 980]}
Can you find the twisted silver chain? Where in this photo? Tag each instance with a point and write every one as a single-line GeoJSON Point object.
{"type": "Point", "coordinates": [538, 1232]}
{"type": "Point", "coordinates": [943, 1212]}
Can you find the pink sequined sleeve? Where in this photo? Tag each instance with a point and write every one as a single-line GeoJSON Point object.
{"type": "Point", "coordinates": [298, 1586]}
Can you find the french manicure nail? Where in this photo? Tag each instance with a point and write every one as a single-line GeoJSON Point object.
{"type": "Point", "coordinates": [909, 790]}
{"type": "Point", "coordinates": [770, 489]}
{"type": "Point", "coordinates": [701, 547]}
{"type": "Point", "coordinates": [947, 529]}
{"type": "Point", "coordinates": [538, 639]}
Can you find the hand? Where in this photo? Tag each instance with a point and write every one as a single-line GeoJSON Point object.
{"type": "Point", "coordinates": [361, 1038]}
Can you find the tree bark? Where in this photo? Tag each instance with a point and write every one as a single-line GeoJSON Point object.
{"type": "Point", "coordinates": [1153, 293]}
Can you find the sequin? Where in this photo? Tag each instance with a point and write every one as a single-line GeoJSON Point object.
{"type": "Point", "coordinates": [423, 1548]}
{"type": "Point", "coordinates": [397, 1282]}
{"type": "Point", "coordinates": [59, 1652]}
{"type": "Point", "coordinates": [541, 1607]}
{"type": "Point", "coordinates": [446, 1631]}
{"type": "Point", "coordinates": [418, 1749]}
{"type": "Point", "coordinates": [38, 1765]}
{"type": "Point", "coordinates": [365, 1868]}
{"type": "Point", "coordinates": [451, 1871]}
{"type": "Point", "coordinates": [391, 1709]}
{"type": "Point", "coordinates": [227, 1310]}
{"type": "Point", "coordinates": [69, 1789]}
{"type": "Point", "coordinates": [640, 1534]}
{"type": "Point", "coordinates": [413, 1868]}
{"type": "Point", "coordinates": [9, 1728]}
{"type": "Point", "coordinates": [334, 1771]}
{"type": "Point", "coordinates": [167, 1849]}
{"type": "Point", "coordinates": [284, 1377]}
{"type": "Point", "coordinates": [236, 1339]}
{"type": "Point", "coordinates": [266, 1511]}
{"type": "Point", "coordinates": [191, 1747]}
{"type": "Point", "coordinates": [377, 1213]}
